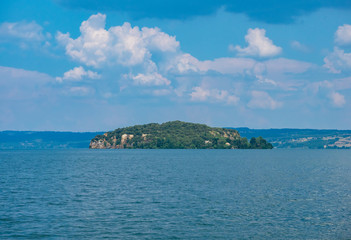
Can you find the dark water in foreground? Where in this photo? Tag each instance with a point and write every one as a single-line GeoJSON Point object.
{"type": "Point", "coordinates": [175, 194]}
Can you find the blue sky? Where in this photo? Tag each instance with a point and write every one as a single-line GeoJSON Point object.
{"type": "Point", "coordinates": [99, 65]}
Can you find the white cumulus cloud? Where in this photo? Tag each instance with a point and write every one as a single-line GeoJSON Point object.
{"type": "Point", "coordinates": [337, 61]}
{"type": "Point", "coordinates": [343, 35]}
{"type": "Point", "coordinates": [183, 63]}
{"type": "Point", "coordinates": [258, 45]}
{"type": "Point", "coordinates": [149, 76]}
{"type": "Point", "coordinates": [263, 100]}
{"type": "Point", "coordinates": [154, 78]}
{"type": "Point", "coordinates": [200, 94]}
{"type": "Point", "coordinates": [120, 45]}
{"type": "Point", "coordinates": [78, 73]}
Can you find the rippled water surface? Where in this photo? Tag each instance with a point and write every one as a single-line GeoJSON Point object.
{"type": "Point", "coordinates": [175, 194]}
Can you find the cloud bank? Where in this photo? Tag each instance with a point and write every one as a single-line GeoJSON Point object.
{"type": "Point", "coordinates": [343, 35]}
{"type": "Point", "coordinates": [133, 58]}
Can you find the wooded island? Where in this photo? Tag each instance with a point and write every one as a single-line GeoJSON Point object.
{"type": "Point", "coordinates": [176, 135]}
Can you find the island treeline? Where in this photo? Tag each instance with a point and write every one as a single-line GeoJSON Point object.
{"type": "Point", "coordinates": [176, 135]}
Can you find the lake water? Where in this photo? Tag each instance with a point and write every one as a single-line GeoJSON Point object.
{"type": "Point", "coordinates": [175, 194]}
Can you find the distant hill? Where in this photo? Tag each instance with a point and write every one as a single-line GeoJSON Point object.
{"type": "Point", "coordinates": [45, 140]}
{"type": "Point", "coordinates": [176, 135]}
{"type": "Point", "coordinates": [301, 138]}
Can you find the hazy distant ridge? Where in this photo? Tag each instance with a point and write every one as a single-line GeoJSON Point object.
{"type": "Point", "coordinates": [45, 139]}
{"type": "Point", "coordinates": [302, 138]}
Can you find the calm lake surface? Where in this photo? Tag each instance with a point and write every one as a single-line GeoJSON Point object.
{"type": "Point", "coordinates": [175, 194]}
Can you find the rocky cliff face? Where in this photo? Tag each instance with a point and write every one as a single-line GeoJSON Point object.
{"type": "Point", "coordinates": [112, 142]}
